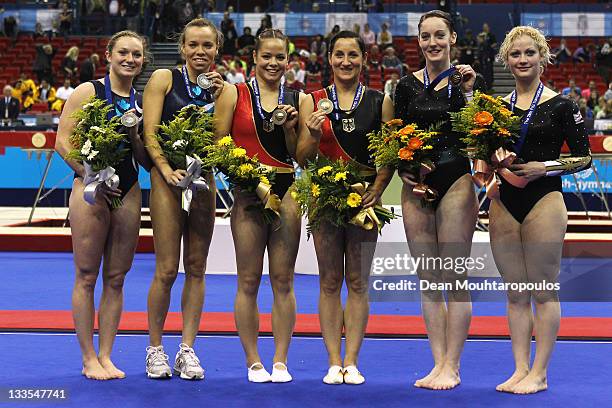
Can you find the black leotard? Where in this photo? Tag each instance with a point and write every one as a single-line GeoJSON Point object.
{"type": "Point", "coordinates": [178, 97]}
{"type": "Point", "coordinates": [555, 121]}
{"type": "Point", "coordinates": [414, 104]}
{"type": "Point", "coordinates": [127, 169]}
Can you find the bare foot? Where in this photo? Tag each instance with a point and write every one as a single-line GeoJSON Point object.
{"type": "Point", "coordinates": [531, 384]}
{"type": "Point", "coordinates": [508, 385]}
{"type": "Point", "coordinates": [93, 370]}
{"type": "Point", "coordinates": [110, 368]}
{"type": "Point", "coordinates": [446, 380]}
{"type": "Point", "coordinates": [425, 381]}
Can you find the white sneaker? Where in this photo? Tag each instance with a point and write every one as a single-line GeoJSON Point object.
{"type": "Point", "coordinates": [280, 374]}
{"type": "Point", "coordinates": [187, 364]}
{"type": "Point", "coordinates": [157, 363]}
{"type": "Point", "coordinates": [353, 376]}
{"type": "Point", "coordinates": [259, 375]}
{"type": "Point", "coordinates": [334, 375]}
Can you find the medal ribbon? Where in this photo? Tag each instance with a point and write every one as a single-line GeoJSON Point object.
{"type": "Point", "coordinates": [207, 94]}
{"type": "Point", "coordinates": [356, 98]}
{"type": "Point", "coordinates": [255, 87]}
{"type": "Point", "coordinates": [109, 97]}
{"type": "Point", "coordinates": [438, 79]}
{"type": "Point", "coordinates": [528, 117]}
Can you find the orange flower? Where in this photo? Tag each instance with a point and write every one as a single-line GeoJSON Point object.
{"type": "Point", "coordinates": [395, 122]}
{"type": "Point", "coordinates": [505, 112]}
{"type": "Point", "coordinates": [407, 130]}
{"type": "Point", "coordinates": [483, 118]}
{"type": "Point", "coordinates": [414, 143]}
{"type": "Point", "coordinates": [503, 131]}
{"type": "Point", "coordinates": [405, 153]}
{"type": "Point", "coordinates": [478, 131]}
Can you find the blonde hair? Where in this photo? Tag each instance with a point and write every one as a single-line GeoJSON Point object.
{"type": "Point", "coordinates": [533, 33]}
{"type": "Point", "coordinates": [73, 52]}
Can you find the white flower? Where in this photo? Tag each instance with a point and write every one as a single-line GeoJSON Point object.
{"type": "Point", "coordinates": [87, 105]}
{"type": "Point", "coordinates": [86, 148]}
{"type": "Point", "coordinates": [178, 143]}
{"type": "Point", "coordinates": [93, 154]}
{"type": "Point", "coordinates": [97, 128]}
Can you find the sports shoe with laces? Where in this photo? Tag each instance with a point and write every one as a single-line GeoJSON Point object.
{"type": "Point", "coordinates": [157, 363]}
{"type": "Point", "coordinates": [187, 364]}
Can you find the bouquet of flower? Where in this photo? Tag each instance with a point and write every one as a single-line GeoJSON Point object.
{"type": "Point", "coordinates": [99, 146]}
{"type": "Point", "coordinates": [246, 173]}
{"type": "Point", "coordinates": [490, 130]}
{"type": "Point", "coordinates": [331, 191]}
{"type": "Point", "coordinates": [407, 148]}
{"type": "Point", "coordinates": [183, 141]}
{"type": "Point", "coordinates": [487, 126]}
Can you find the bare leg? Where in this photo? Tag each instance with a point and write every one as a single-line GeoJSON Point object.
{"type": "Point", "coordinates": [420, 227]}
{"type": "Point", "coordinates": [250, 239]}
{"type": "Point", "coordinates": [89, 225]}
{"type": "Point", "coordinates": [167, 220]}
{"type": "Point", "coordinates": [507, 249]}
{"type": "Point", "coordinates": [543, 232]}
{"type": "Point", "coordinates": [456, 220]}
{"type": "Point", "coordinates": [329, 246]}
{"type": "Point", "coordinates": [196, 240]}
{"type": "Point", "coordinates": [359, 247]}
{"type": "Point", "coordinates": [282, 253]}
{"type": "Point", "coordinates": [119, 254]}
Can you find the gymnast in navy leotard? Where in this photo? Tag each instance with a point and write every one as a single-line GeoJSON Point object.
{"type": "Point", "coordinates": [97, 232]}
{"type": "Point", "coordinates": [165, 94]}
{"type": "Point", "coordinates": [425, 97]}
{"type": "Point", "coordinates": [527, 225]}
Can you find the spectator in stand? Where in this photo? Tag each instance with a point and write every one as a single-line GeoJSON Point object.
{"type": "Point", "coordinates": [65, 20]}
{"type": "Point", "coordinates": [221, 70]}
{"type": "Point", "coordinates": [601, 107]}
{"type": "Point", "coordinates": [238, 64]}
{"type": "Point", "coordinates": [88, 68]}
{"type": "Point", "coordinates": [10, 28]}
{"type": "Point", "coordinates": [235, 77]}
{"type": "Point", "coordinates": [587, 113]}
{"type": "Point", "coordinates": [608, 109]}
{"type": "Point", "coordinates": [228, 29]}
{"type": "Point", "coordinates": [390, 60]}
{"type": "Point", "coordinates": [391, 84]}
{"type": "Point", "coordinates": [313, 69]}
{"type": "Point", "coordinates": [586, 93]}
{"type": "Point", "coordinates": [295, 57]}
{"type": "Point", "coordinates": [593, 98]}
{"type": "Point", "coordinates": [562, 53]}
{"type": "Point", "coordinates": [292, 83]}
{"type": "Point", "coordinates": [316, 8]}
{"type": "Point", "coordinates": [38, 32]}
{"type": "Point", "coordinates": [298, 73]}
{"type": "Point", "coordinates": [374, 58]}
{"type": "Point", "coordinates": [489, 37]}
{"type": "Point", "coordinates": [581, 54]}
{"type": "Point", "coordinates": [603, 58]}
{"type": "Point", "coordinates": [467, 45]}
{"type": "Point", "coordinates": [356, 28]}
{"type": "Point", "coordinates": [368, 36]}
{"type": "Point", "coordinates": [608, 94]}
{"type": "Point", "coordinates": [46, 93]}
{"type": "Point", "coordinates": [486, 56]}
{"type": "Point", "coordinates": [62, 95]}
{"type": "Point", "coordinates": [9, 106]}
{"type": "Point", "coordinates": [246, 42]}
{"type": "Point", "coordinates": [265, 24]}
{"type": "Point", "coordinates": [572, 88]}
{"type": "Point", "coordinates": [335, 30]}
{"type": "Point", "coordinates": [318, 46]}
{"type": "Point", "coordinates": [384, 39]}
{"type": "Point", "coordinates": [69, 63]}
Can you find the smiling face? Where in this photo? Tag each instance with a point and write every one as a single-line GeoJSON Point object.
{"type": "Point", "coordinates": [346, 59]}
{"type": "Point", "coordinates": [126, 57]}
{"type": "Point", "coordinates": [271, 59]}
{"type": "Point", "coordinates": [199, 48]}
{"type": "Point", "coordinates": [524, 59]}
{"type": "Point", "coordinates": [436, 39]}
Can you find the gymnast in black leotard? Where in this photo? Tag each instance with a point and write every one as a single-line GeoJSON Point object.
{"type": "Point", "coordinates": [166, 93]}
{"type": "Point", "coordinates": [97, 232]}
{"type": "Point", "coordinates": [527, 226]}
{"type": "Point", "coordinates": [452, 218]}
{"type": "Point", "coordinates": [557, 120]}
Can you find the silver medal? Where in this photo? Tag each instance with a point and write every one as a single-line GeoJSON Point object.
{"type": "Point", "coordinates": [325, 105]}
{"type": "Point", "coordinates": [279, 116]}
{"type": "Point", "coordinates": [203, 81]}
{"type": "Point", "coordinates": [129, 120]}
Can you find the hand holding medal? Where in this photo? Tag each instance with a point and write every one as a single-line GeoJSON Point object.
{"type": "Point", "coordinates": [465, 76]}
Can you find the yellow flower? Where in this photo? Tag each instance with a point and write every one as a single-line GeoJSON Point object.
{"type": "Point", "coordinates": [477, 132]}
{"type": "Point", "coordinates": [323, 170]}
{"type": "Point", "coordinates": [245, 168]}
{"type": "Point", "coordinates": [503, 132]}
{"type": "Point", "coordinates": [294, 195]}
{"type": "Point", "coordinates": [340, 176]}
{"type": "Point", "coordinates": [505, 112]}
{"type": "Point", "coordinates": [239, 152]}
{"type": "Point", "coordinates": [225, 141]}
{"type": "Point", "coordinates": [353, 200]}
{"type": "Point", "coordinates": [315, 190]}
{"type": "Point", "coordinates": [264, 180]}
{"type": "Point", "coordinates": [489, 98]}
{"type": "Point", "coordinates": [394, 122]}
